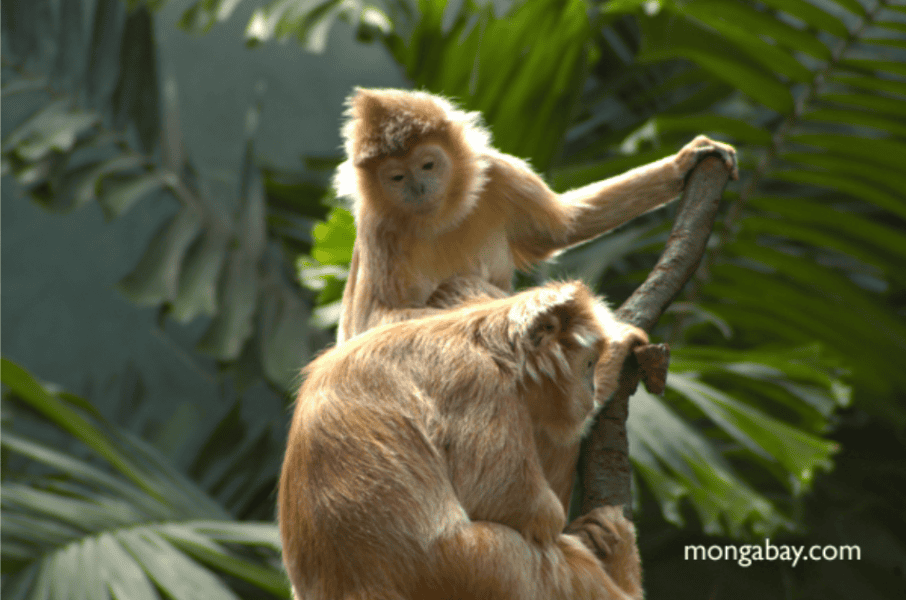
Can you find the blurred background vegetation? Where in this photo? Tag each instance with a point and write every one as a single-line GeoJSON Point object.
{"type": "Point", "coordinates": [172, 255]}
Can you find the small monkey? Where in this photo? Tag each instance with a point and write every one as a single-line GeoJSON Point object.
{"type": "Point", "coordinates": [433, 199]}
{"type": "Point", "coordinates": [401, 484]}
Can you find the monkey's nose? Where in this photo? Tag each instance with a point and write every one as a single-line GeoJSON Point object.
{"type": "Point", "coordinates": [417, 190]}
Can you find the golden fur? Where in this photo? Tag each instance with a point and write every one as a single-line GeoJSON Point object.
{"type": "Point", "coordinates": [492, 214]}
{"type": "Point", "coordinates": [411, 469]}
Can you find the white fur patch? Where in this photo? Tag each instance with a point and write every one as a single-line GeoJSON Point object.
{"type": "Point", "coordinates": [613, 330]}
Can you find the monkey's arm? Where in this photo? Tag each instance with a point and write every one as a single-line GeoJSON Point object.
{"type": "Point", "coordinates": [545, 222]}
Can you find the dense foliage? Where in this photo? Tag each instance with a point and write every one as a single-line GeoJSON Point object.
{"type": "Point", "coordinates": [796, 312]}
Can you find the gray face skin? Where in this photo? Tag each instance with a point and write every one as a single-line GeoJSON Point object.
{"type": "Point", "coordinates": [418, 181]}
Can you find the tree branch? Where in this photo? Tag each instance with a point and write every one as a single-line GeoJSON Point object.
{"type": "Point", "coordinates": [604, 469]}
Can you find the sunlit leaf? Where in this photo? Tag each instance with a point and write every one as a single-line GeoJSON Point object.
{"type": "Point", "coordinates": [677, 461]}
{"type": "Point", "coordinates": [187, 538]}
{"type": "Point", "coordinates": [20, 381]}
{"type": "Point", "coordinates": [124, 576]}
{"type": "Point", "coordinates": [798, 452]}
{"type": "Point", "coordinates": [333, 238]}
{"type": "Point", "coordinates": [180, 577]}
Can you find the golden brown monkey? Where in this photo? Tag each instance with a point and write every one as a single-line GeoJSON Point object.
{"type": "Point", "coordinates": [411, 470]}
{"type": "Point", "coordinates": [432, 199]}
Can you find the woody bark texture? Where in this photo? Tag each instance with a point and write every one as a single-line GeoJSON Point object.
{"type": "Point", "coordinates": [604, 467]}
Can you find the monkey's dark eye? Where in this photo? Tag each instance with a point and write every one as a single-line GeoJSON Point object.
{"type": "Point", "coordinates": [428, 165]}
{"type": "Point", "coordinates": [397, 178]}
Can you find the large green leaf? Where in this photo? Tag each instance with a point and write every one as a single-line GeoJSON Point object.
{"type": "Point", "coordinates": [125, 526]}
{"type": "Point", "coordinates": [677, 461]}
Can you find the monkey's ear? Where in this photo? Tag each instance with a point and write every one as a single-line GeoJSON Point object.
{"type": "Point", "coordinates": [543, 315]}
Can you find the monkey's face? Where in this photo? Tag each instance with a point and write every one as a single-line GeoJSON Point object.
{"type": "Point", "coordinates": [418, 181]}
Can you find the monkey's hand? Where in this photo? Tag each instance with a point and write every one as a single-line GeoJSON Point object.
{"type": "Point", "coordinates": [622, 339]}
{"type": "Point", "coordinates": [701, 147]}
{"type": "Point", "coordinates": [611, 538]}
{"type": "Point", "coordinates": [546, 522]}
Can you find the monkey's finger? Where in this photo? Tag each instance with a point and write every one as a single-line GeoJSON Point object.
{"type": "Point", "coordinates": [723, 151]}
{"type": "Point", "coordinates": [597, 533]}
{"type": "Point", "coordinates": [653, 362]}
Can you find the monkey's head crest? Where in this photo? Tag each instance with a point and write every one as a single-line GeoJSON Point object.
{"type": "Point", "coordinates": [382, 122]}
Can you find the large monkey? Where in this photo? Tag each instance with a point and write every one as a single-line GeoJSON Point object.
{"type": "Point", "coordinates": [432, 199]}
{"type": "Point", "coordinates": [399, 484]}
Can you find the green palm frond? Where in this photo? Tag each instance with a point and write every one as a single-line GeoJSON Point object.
{"type": "Point", "coordinates": [759, 418]}
{"type": "Point", "coordinates": [811, 246]}
{"type": "Point", "coordinates": [113, 519]}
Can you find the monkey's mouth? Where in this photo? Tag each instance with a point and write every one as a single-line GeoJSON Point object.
{"type": "Point", "coordinates": [419, 206]}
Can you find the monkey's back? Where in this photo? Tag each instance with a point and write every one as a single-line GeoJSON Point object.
{"type": "Point", "coordinates": [363, 487]}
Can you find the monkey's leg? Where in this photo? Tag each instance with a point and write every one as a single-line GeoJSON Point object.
{"type": "Point", "coordinates": [493, 562]}
{"type": "Point", "coordinates": [611, 537]}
